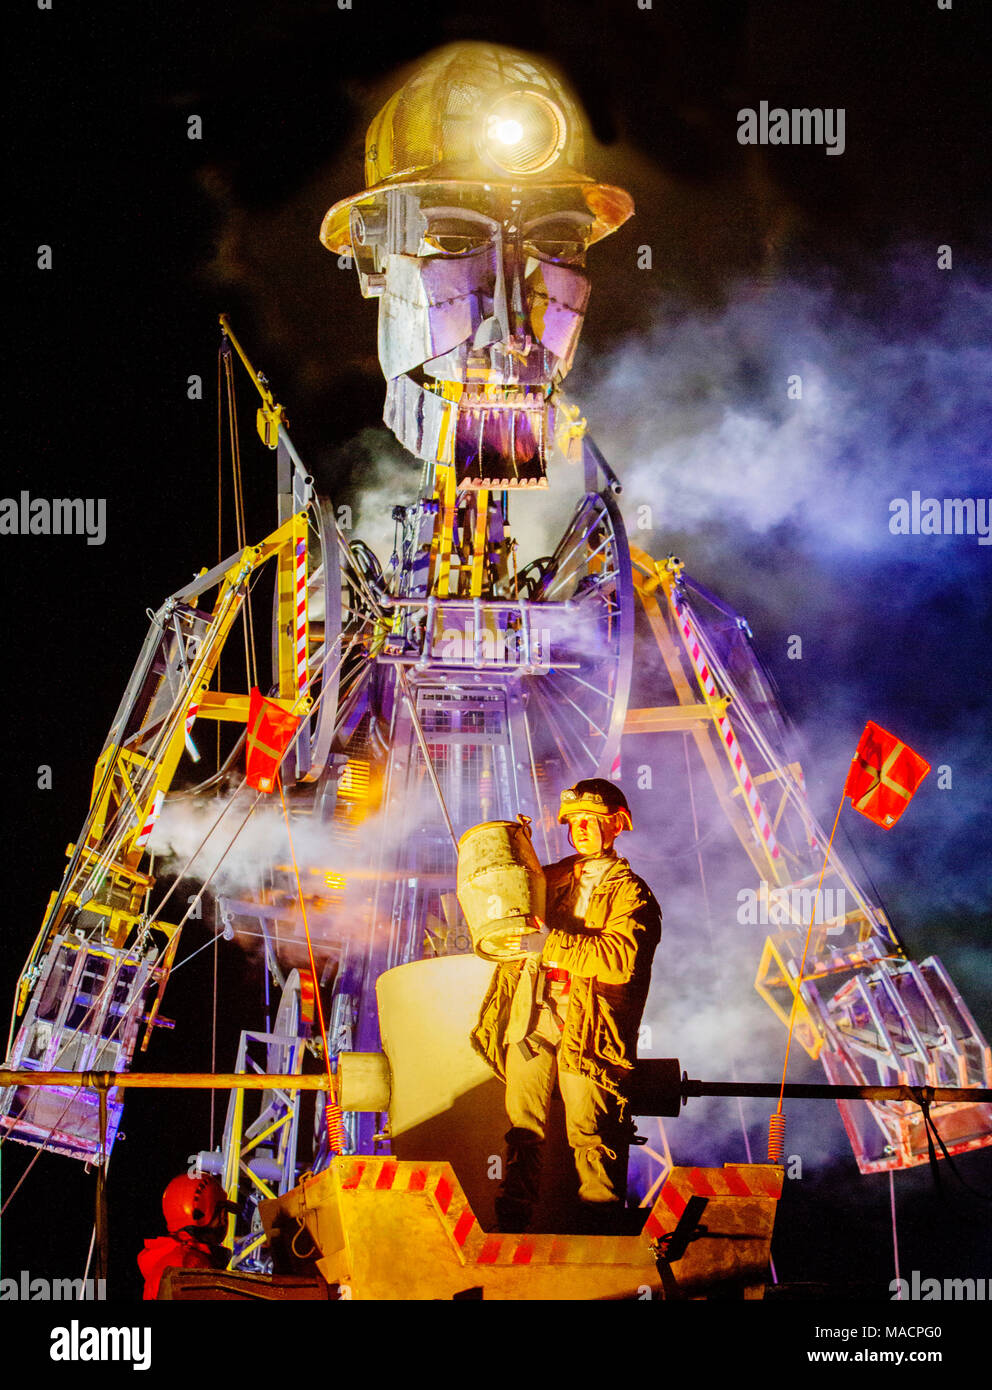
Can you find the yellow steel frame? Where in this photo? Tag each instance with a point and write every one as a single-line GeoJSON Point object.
{"type": "Point", "coordinates": [779, 988]}
{"type": "Point", "coordinates": [286, 620]}
{"type": "Point", "coordinates": [445, 492]}
{"type": "Point", "coordinates": [479, 542]}
{"type": "Point", "coordinates": [667, 573]}
{"type": "Point", "coordinates": [699, 719]}
{"type": "Point", "coordinates": [270, 414]}
{"type": "Point", "coordinates": [235, 1164]}
{"type": "Point", "coordinates": [777, 979]}
{"type": "Point", "coordinates": [110, 791]}
{"type": "Point", "coordinates": [230, 597]}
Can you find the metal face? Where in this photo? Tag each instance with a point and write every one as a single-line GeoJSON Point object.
{"type": "Point", "coordinates": [483, 298]}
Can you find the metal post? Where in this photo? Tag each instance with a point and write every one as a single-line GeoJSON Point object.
{"type": "Point", "coordinates": [102, 1240]}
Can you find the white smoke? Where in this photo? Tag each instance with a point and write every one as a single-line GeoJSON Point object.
{"type": "Point", "coordinates": [703, 421]}
{"type": "Point", "coordinates": [795, 408]}
{"type": "Point", "coordinates": [206, 841]}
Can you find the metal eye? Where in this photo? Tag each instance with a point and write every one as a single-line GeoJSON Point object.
{"type": "Point", "coordinates": [452, 236]}
{"type": "Point", "coordinates": [558, 237]}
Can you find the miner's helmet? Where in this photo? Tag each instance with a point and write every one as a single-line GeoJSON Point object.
{"type": "Point", "coordinates": [194, 1201]}
{"type": "Point", "coordinates": [477, 115]}
{"type": "Point", "coordinates": [594, 796]}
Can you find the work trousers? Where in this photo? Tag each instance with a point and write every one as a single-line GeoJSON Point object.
{"type": "Point", "coordinates": [592, 1120]}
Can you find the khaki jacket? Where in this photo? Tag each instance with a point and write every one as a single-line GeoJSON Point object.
{"type": "Point", "coordinates": [609, 958]}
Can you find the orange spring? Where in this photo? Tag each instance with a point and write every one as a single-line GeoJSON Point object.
{"type": "Point", "coordinates": [335, 1127]}
{"type": "Point", "coordinates": [776, 1137]}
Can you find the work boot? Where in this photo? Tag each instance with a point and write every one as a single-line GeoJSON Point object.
{"type": "Point", "coordinates": [521, 1182]}
{"type": "Point", "coordinates": [602, 1174]}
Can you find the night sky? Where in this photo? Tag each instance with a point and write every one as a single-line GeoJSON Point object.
{"type": "Point", "coordinates": [765, 262]}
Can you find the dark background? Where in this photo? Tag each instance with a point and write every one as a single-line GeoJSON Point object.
{"type": "Point", "coordinates": [153, 234]}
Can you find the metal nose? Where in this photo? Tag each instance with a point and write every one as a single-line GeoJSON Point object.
{"type": "Point", "coordinates": [496, 328]}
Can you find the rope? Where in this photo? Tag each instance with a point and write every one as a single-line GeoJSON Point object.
{"type": "Point", "coordinates": [34, 1160]}
{"type": "Point", "coordinates": [193, 954]}
{"type": "Point", "coordinates": [934, 1133]}
{"type": "Point", "coordinates": [100, 1224]}
{"type": "Point", "coordinates": [213, 1037]}
{"type": "Point", "coordinates": [220, 511]}
{"type": "Point", "coordinates": [239, 509]}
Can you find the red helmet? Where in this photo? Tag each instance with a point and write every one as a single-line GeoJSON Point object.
{"type": "Point", "coordinates": [193, 1201]}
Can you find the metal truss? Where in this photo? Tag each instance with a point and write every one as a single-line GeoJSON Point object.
{"type": "Point", "coordinates": [866, 1012]}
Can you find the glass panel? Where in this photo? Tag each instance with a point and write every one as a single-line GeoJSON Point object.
{"type": "Point", "coordinates": [88, 1002]}
{"type": "Point", "coordinates": [57, 982]}
{"type": "Point", "coordinates": [120, 1001]}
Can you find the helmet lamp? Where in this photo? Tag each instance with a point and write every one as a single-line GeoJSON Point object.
{"type": "Point", "coordinates": [524, 132]}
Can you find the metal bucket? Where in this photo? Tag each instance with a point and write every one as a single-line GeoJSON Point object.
{"type": "Point", "coordinates": [501, 888]}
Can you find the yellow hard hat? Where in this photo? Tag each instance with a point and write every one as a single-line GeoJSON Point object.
{"type": "Point", "coordinates": [594, 796]}
{"type": "Point", "coordinates": [477, 115]}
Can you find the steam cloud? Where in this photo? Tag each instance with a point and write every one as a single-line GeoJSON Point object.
{"type": "Point", "coordinates": [698, 418]}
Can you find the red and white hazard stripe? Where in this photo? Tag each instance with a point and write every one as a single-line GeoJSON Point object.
{"type": "Point", "coordinates": [751, 1180]}
{"type": "Point", "coordinates": [433, 1179]}
{"type": "Point", "coordinates": [436, 1181]}
{"type": "Point", "coordinates": [188, 733]}
{"type": "Point", "coordinates": [729, 738]}
{"type": "Point", "coordinates": [141, 839]}
{"type": "Point", "coordinates": [301, 615]}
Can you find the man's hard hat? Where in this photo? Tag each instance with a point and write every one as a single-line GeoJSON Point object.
{"type": "Point", "coordinates": [594, 796]}
{"type": "Point", "coordinates": [477, 115]}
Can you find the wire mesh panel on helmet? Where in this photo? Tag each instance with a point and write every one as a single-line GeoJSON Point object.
{"type": "Point", "coordinates": [476, 106]}
{"type": "Point", "coordinates": [479, 114]}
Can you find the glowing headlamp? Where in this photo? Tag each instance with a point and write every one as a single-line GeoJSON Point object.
{"type": "Point", "coordinates": [505, 130]}
{"type": "Point", "coordinates": [524, 132]}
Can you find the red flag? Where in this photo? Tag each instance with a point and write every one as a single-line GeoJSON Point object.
{"type": "Point", "coordinates": [270, 732]}
{"type": "Point", "coordinates": [883, 777]}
